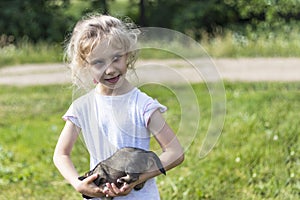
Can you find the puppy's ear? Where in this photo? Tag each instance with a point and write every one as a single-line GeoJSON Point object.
{"type": "Point", "coordinates": [81, 178]}
{"type": "Point", "coordinates": [84, 176]}
{"type": "Point", "coordinates": [154, 160]}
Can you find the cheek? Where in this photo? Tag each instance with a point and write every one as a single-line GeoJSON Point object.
{"type": "Point", "coordinates": [123, 66]}
{"type": "Point", "coordinates": [96, 73]}
{"type": "Point", "coordinates": [123, 69]}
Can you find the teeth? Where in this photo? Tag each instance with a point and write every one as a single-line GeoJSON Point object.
{"type": "Point", "coordinates": [114, 79]}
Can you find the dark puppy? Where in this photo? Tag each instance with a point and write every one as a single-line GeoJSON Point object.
{"type": "Point", "coordinates": [124, 166]}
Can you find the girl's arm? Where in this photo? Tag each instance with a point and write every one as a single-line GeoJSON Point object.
{"type": "Point", "coordinates": [172, 155]}
{"type": "Point", "coordinates": [62, 160]}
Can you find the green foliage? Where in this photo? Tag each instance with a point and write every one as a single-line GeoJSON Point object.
{"type": "Point", "coordinates": [198, 16]}
{"type": "Point", "coordinates": [193, 17]}
{"type": "Point", "coordinates": [34, 20]}
{"type": "Point", "coordinates": [52, 20]}
{"type": "Point", "coordinates": [257, 156]}
{"type": "Point", "coordinates": [269, 11]}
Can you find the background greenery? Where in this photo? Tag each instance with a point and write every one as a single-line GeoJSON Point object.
{"type": "Point", "coordinates": [50, 20]}
{"type": "Point", "coordinates": [257, 156]}
{"type": "Point", "coordinates": [225, 28]}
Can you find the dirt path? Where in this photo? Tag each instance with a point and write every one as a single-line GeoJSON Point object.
{"type": "Point", "coordinates": [252, 69]}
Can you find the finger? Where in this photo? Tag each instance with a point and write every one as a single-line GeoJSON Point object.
{"type": "Point", "coordinates": [91, 178]}
{"type": "Point", "coordinates": [108, 186]}
{"type": "Point", "coordinates": [105, 190]}
{"type": "Point", "coordinates": [93, 192]}
{"type": "Point", "coordinates": [125, 187]}
{"type": "Point", "coordinates": [115, 188]}
{"type": "Point", "coordinates": [97, 191]}
{"type": "Point", "coordinates": [108, 189]}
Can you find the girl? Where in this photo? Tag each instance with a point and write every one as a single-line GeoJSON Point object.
{"type": "Point", "coordinates": [114, 114]}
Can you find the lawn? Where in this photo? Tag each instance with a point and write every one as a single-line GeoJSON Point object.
{"type": "Point", "coordinates": [256, 157]}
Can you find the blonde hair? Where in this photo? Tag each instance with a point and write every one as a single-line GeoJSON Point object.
{"type": "Point", "coordinates": [88, 33]}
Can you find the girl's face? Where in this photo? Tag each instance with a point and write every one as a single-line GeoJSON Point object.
{"type": "Point", "coordinates": [108, 66]}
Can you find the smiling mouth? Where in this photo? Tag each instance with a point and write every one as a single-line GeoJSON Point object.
{"type": "Point", "coordinates": [114, 79]}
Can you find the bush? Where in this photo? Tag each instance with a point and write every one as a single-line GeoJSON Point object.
{"type": "Point", "coordinates": [34, 20]}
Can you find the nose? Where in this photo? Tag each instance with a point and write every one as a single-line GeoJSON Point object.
{"type": "Point", "coordinates": [110, 69]}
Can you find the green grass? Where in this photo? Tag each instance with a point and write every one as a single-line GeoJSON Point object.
{"type": "Point", "coordinates": [255, 44]}
{"type": "Point", "coordinates": [257, 156]}
{"type": "Point", "coordinates": [26, 52]}
{"type": "Point", "coordinates": [230, 45]}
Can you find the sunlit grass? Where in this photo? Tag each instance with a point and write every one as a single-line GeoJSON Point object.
{"type": "Point", "coordinates": [230, 44]}
{"type": "Point", "coordinates": [255, 44]}
{"type": "Point", "coordinates": [257, 156]}
{"type": "Point", "coordinates": [26, 52]}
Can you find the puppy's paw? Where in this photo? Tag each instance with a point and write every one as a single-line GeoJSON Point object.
{"type": "Point", "coordinates": [124, 179]}
{"type": "Point", "coordinates": [120, 180]}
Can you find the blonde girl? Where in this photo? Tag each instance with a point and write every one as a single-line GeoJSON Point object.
{"type": "Point", "coordinates": [114, 114]}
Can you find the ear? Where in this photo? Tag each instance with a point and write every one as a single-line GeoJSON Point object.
{"type": "Point", "coordinates": [154, 160]}
{"type": "Point", "coordinates": [81, 178]}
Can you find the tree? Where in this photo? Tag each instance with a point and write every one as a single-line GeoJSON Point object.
{"type": "Point", "coordinates": [204, 15]}
{"type": "Point", "coordinates": [271, 11]}
{"type": "Point", "coordinates": [100, 4]}
{"type": "Point", "coordinates": [195, 16]}
{"type": "Point", "coordinates": [142, 18]}
{"type": "Point", "coordinates": [34, 19]}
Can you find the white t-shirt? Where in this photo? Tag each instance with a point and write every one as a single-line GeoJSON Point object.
{"type": "Point", "coordinates": [109, 123]}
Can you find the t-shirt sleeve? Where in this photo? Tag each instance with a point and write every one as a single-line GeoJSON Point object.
{"type": "Point", "coordinates": [71, 116]}
{"type": "Point", "coordinates": [150, 107]}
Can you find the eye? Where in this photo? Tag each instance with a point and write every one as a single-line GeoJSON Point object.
{"type": "Point", "coordinates": [116, 58]}
{"type": "Point", "coordinates": [98, 63]}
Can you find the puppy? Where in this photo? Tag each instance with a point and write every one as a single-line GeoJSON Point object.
{"type": "Point", "coordinates": [124, 166]}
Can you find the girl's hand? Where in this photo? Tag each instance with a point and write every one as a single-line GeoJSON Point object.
{"type": "Point", "coordinates": [112, 190]}
{"type": "Point", "coordinates": [89, 188]}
